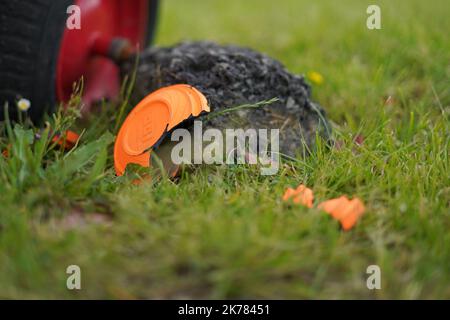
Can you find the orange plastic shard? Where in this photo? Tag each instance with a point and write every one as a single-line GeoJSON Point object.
{"type": "Point", "coordinates": [346, 211]}
{"type": "Point", "coordinates": [156, 114]}
{"type": "Point", "coordinates": [302, 195]}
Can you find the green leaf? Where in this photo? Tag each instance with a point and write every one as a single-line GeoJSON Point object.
{"type": "Point", "coordinates": [76, 161]}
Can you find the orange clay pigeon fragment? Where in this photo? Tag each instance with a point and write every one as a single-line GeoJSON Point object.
{"type": "Point", "coordinates": [346, 211]}
{"type": "Point", "coordinates": [154, 116]}
{"type": "Point", "coordinates": [68, 140]}
{"type": "Point", "coordinates": [302, 195]}
{"type": "Point", "coordinates": [5, 151]}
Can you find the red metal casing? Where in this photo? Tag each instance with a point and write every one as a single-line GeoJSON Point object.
{"type": "Point", "coordinates": [83, 52]}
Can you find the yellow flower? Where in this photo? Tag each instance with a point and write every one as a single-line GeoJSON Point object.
{"type": "Point", "coordinates": [315, 77]}
{"type": "Point", "coordinates": [23, 104]}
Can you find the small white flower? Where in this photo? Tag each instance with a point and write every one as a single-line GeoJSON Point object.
{"type": "Point", "coordinates": [23, 104]}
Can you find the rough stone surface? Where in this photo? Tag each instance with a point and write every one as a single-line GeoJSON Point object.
{"type": "Point", "coordinates": [230, 76]}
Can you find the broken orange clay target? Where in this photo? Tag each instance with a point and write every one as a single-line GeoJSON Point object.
{"type": "Point", "coordinates": [68, 140]}
{"type": "Point", "coordinates": [155, 115]}
{"type": "Point", "coordinates": [346, 211]}
{"type": "Point", "coordinates": [302, 195]}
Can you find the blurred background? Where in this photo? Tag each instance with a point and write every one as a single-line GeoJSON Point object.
{"type": "Point", "coordinates": [360, 67]}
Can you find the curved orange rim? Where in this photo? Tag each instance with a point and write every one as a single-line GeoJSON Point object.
{"type": "Point", "coordinates": [156, 114]}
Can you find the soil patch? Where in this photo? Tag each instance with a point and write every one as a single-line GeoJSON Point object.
{"type": "Point", "coordinates": [231, 76]}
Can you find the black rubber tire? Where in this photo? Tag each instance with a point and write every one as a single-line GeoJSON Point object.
{"type": "Point", "coordinates": [30, 36]}
{"type": "Point", "coordinates": [152, 21]}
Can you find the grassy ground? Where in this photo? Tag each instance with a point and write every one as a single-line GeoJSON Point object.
{"type": "Point", "coordinates": [223, 232]}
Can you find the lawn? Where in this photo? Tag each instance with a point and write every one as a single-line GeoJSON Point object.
{"type": "Point", "coordinates": [223, 231]}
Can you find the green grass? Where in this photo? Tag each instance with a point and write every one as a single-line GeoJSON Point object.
{"type": "Point", "coordinates": [223, 232]}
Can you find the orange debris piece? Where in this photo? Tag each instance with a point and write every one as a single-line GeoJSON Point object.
{"type": "Point", "coordinates": [346, 211]}
{"type": "Point", "coordinates": [5, 151]}
{"type": "Point", "coordinates": [68, 140]}
{"type": "Point", "coordinates": [155, 115]}
{"type": "Point", "coordinates": [302, 195]}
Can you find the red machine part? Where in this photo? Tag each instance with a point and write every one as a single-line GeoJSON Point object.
{"type": "Point", "coordinates": [86, 52]}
